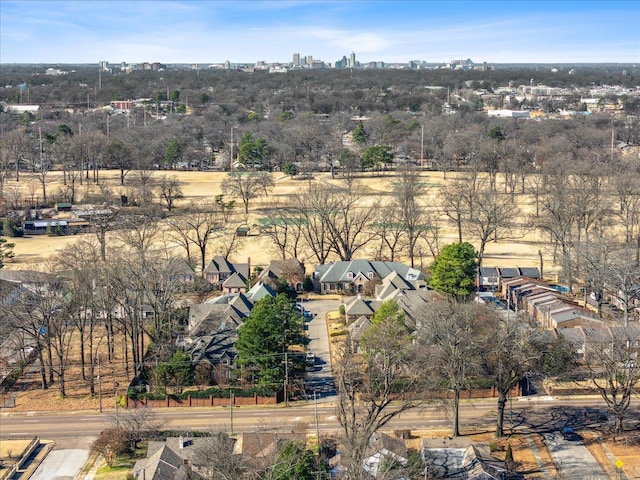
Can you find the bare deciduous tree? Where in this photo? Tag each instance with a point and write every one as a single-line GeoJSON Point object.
{"type": "Point", "coordinates": [214, 457]}
{"type": "Point", "coordinates": [247, 186]}
{"type": "Point", "coordinates": [451, 337]}
{"type": "Point", "coordinates": [283, 225]}
{"type": "Point", "coordinates": [376, 386]}
{"type": "Point", "coordinates": [198, 225]}
{"type": "Point", "coordinates": [611, 358]}
{"type": "Point", "coordinates": [170, 190]}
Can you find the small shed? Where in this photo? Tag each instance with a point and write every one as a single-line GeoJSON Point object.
{"type": "Point", "coordinates": [242, 231]}
{"type": "Point", "coordinates": [63, 206]}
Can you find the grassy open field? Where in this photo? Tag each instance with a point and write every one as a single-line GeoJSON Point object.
{"type": "Point", "coordinates": [521, 250]}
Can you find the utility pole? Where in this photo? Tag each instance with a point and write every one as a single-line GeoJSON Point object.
{"type": "Point", "coordinates": [286, 379]}
{"type": "Point", "coordinates": [115, 397]}
{"type": "Point", "coordinates": [421, 144]}
{"type": "Point", "coordinates": [107, 126]}
{"type": "Point", "coordinates": [231, 159]}
{"type": "Point", "coordinates": [315, 404]}
{"type": "Point", "coordinates": [231, 402]}
{"type": "Point", "coordinates": [99, 385]}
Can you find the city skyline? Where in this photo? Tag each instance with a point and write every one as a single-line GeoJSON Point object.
{"type": "Point", "coordinates": [211, 31]}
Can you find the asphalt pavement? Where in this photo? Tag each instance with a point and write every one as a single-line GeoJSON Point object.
{"type": "Point", "coordinates": [320, 380]}
{"type": "Point", "coordinates": [572, 458]}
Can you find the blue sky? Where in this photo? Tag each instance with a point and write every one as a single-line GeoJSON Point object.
{"type": "Point", "coordinates": [211, 31]}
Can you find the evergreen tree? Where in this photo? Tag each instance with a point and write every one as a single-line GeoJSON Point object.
{"type": "Point", "coordinates": [454, 271]}
{"type": "Point", "coordinates": [265, 337]}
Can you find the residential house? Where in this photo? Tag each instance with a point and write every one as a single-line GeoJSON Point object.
{"type": "Point", "coordinates": [356, 329]}
{"type": "Point", "coordinates": [356, 275]}
{"type": "Point", "coordinates": [616, 337]}
{"type": "Point", "coordinates": [392, 287]}
{"type": "Point", "coordinates": [236, 283]}
{"type": "Point", "coordinates": [220, 270]}
{"type": "Point", "coordinates": [290, 270]}
{"type": "Point", "coordinates": [356, 307]}
{"type": "Point", "coordinates": [165, 462]}
{"type": "Point", "coordinates": [212, 331]}
{"type": "Point", "coordinates": [387, 452]}
{"type": "Point", "coordinates": [489, 279]}
{"type": "Point", "coordinates": [258, 449]}
{"type": "Point", "coordinates": [181, 270]}
{"type": "Point", "coordinates": [459, 458]}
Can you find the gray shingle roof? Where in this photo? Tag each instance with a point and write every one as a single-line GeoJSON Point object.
{"type": "Point", "coordinates": [358, 327]}
{"type": "Point", "coordinates": [235, 281]}
{"type": "Point", "coordinates": [338, 271]}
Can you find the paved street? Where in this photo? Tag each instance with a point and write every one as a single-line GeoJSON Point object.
{"type": "Point", "coordinates": [531, 416]}
{"type": "Point", "coordinates": [321, 379]}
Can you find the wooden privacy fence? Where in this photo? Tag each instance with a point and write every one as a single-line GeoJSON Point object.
{"type": "Point", "coordinates": [201, 402]}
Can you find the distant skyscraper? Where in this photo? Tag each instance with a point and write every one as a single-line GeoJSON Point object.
{"type": "Point", "coordinates": [352, 60]}
{"type": "Point", "coordinates": [309, 60]}
{"type": "Point", "coordinates": [296, 59]}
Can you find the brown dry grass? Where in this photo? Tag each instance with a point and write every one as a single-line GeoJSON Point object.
{"type": "Point", "coordinates": [31, 397]}
{"type": "Point", "coordinates": [521, 250]}
{"type": "Point", "coordinates": [625, 449]}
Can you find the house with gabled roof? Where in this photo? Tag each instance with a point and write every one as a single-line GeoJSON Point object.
{"type": "Point", "coordinates": [259, 448]}
{"type": "Point", "coordinates": [290, 270]}
{"type": "Point", "coordinates": [220, 269]}
{"type": "Point", "coordinates": [459, 458]}
{"type": "Point", "coordinates": [352, 276]}
{"type": "Point", "coordinates": [390, 284]}
{"type": "Point", "coordinates": [180, 270]}
{"type": "Point", "coordinates": [356, 329]}
{"type": "Point", "coordinates": [212, 330]}
{"type": "Point", "coordinates": [357, 306]}
{"type": "Point", "coordinates": [163, 463]}
{"type": "Point", "coordinates": [387, 452]}
{"type": "Point", "coordinates": [236, 283]}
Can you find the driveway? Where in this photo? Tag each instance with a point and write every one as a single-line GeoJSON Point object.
{"type": "Point", "coordinates": [572, 458]}
{"type": "Point", "coordinates": [320, 379]}
{"type": "Point", "coordinates": [61, 465]}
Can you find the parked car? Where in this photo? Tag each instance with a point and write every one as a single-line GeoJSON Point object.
{"type": "Point", "coordinates": [307, 314]}
{"type": "Point", "coordinates": [570, 435]}
{"type": "Point", "coordinates": [310, 358]}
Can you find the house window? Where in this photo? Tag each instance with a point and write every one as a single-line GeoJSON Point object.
{"type": "Point", "coordinates": [370, 275]}
{"type": "Point", "coordinates": [349, 274]}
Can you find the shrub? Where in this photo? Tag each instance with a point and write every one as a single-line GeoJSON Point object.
{"type": "Point", "coordinates": [12, 227]}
